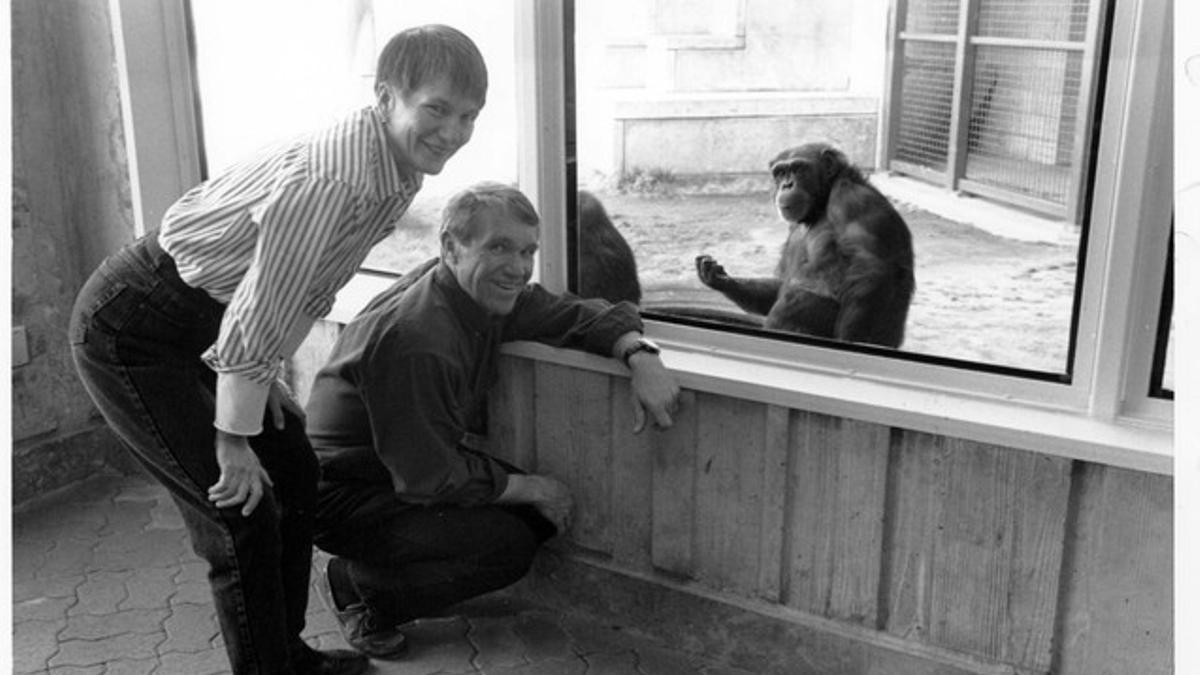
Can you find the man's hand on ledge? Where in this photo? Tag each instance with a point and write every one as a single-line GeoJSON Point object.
{"type": "Point", "coordinates": [653, 390]}
{"type": "Point", "coordinates": [548, 495]}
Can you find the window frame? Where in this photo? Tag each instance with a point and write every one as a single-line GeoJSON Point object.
{"type": "Point", "coordinates": [1104, 414]}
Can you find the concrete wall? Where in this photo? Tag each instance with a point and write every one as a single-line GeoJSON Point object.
{"type": "Point", "coordinates": [715, 88]}
{"type": "Point", "coordinates": [71, 205]}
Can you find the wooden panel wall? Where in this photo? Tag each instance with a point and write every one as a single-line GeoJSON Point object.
{"type": "Point", "coordinates": [1118, 600]}
{"type": "Point", "coordinates": [1007, 556]}
{"type": "Point", "coordinates": [835, 521]}
{"type": "Point", "coordinates": [1034, 562]}
{"type": "Point", "coordinates": [976, 546]}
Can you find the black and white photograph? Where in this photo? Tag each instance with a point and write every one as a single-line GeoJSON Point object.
{"type": "Point", "coordinates": [601, 337]}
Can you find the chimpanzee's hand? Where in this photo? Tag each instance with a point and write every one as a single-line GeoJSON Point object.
{"type": "Point", "coordinates": [711, 273]}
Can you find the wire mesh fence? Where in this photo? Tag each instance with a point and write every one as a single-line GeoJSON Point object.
{"type": "Point", "coordinates": [1058, 20]}
{"type": "Point", "coordinates": [1013, 125]}
{"type": "Point", "coordinates": [932, 16]}
{"type": "Point", "coordinates": [926, 105]}
{"type": "Point", "coordinates": [1021, 131]}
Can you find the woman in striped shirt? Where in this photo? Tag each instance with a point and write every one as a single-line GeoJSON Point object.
{"type": "Point", "coordinates": [180, 337]}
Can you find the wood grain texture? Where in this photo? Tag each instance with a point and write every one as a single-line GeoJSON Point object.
{"type": "Point", "coordinates": [1015, 561]}
{"type": "Point", "coordinates": [915, 510]}
{"type": "Point", "coordinates": [674, 493]}
{"type": "Point", "coordinates": [1118, 601]}
{"type": "Point", "coordinates": [837, 484]}
{"type": "Point", "coordinates": [776, 435]}
{"type": "Point", "coordinates": [511, 414]}
{"type": "Point", "coordinates": [574, 445]}
{"type": "Point", "coordinates": [729, 490]}
{"type": "Point", "coordinates": [978, 548]}
{"type": "Point", "coordinates": [633, 482]}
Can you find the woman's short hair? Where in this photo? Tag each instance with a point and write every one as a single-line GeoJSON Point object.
{"type": "Point", "coordinates": [460, 217]}
{"type": "Point", "coordinates": [423, 54]}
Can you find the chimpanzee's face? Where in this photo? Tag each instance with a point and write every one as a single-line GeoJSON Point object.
{"type": "Point", "coordinates": [803, 176]}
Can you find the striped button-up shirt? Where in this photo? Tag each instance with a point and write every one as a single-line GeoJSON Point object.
{"type": "Point", "coordinates": [274, 238]}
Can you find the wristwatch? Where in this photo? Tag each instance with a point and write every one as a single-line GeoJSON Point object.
{"type": "Point", "coordinates": [641, 345]}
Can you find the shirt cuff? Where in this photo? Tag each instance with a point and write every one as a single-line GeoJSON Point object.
{"type": "Point", "coordinates": [625, 342]}
{"type": "Point", "coordinates": [500, 484]}
{"type": "Point", "coordinates": [240, 404]}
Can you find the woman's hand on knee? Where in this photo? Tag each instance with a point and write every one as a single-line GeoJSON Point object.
{"type": "Point", "coordinates": [242, 476]}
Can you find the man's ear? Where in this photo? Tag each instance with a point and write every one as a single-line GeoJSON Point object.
{"type": "Point", "coordinates": [449, 252]}
{"type": "Point", "coordinates": [385, 98]}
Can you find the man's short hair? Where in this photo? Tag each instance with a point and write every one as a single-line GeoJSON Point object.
{"type": "Point", "coordinates": [423, 54]}
{"type": "Point", "coordinates": [460, 217]}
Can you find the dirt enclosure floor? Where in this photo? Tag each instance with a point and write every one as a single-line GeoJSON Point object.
{"type": "Point", "coordinates": [979, 297]}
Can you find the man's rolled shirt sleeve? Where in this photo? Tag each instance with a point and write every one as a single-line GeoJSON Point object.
{"type": "Point", "coordinates": [416, 430]}
{"type": "Point", "coordinates": [268, 309]}
{"type": "Point", "coordinates": [588, 324]}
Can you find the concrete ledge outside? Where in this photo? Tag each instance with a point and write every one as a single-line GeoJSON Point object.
{"type": "Point", "coordinates": [742, 104]}
{"type": "Point", "coordinates": [694, 134]}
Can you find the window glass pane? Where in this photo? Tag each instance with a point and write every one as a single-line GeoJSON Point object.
{"type": "Point", "coordinates": [317, 62]}
{"type": "Point", "coordinates": [1162, 373]}
{"type": "Point", "coordinates": [1166, 383]}
{"type": "Point", "coordinates": [679, 110]}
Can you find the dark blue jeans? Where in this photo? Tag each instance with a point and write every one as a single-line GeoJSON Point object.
{"type": "Point", "coordinates": [407, 561]}
{"type": "Point", "coordinates": [137, 333]}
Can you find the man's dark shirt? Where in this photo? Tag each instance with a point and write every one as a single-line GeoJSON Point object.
{"type": "Point", "coordinates": [408, 378]}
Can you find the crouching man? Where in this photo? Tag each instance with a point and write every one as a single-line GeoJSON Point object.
{"type": "Point", "coordinates": [416, 512]}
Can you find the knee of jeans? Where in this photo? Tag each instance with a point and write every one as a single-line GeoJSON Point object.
{"type": "Point", "coordinates": [306, 473]}
{"type": "Point", "coordinates": [264, 519]}
{"type": "Point", "coordinates": [521, 544]}
{"type": "Point", "coordinates": [224, 537]}
{"type": "Point", "coordinates": [515, 565]}
{"type": "Point", "coordinates": [296, 483]}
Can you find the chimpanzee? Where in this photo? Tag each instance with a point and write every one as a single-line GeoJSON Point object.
{"type": "Point", "coordinates": [847, 267]}
{"type": "Point", "coordinates": [607, 268]}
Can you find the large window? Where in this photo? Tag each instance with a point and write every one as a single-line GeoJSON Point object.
{"type": "Point", "coordinates": [1027, 329]}
{"type": "Point", "coordinates": [680, 106]}
{"type": "Point", "coordinates": [270, 69]}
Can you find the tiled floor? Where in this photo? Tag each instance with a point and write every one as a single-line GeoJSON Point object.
{"type": "Point", "coordinates": [105, 583]}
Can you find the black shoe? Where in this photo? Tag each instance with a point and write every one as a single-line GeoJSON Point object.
{"type": "Point", "coordinates": [361, 627]}
{"type": "Point", "coordinates": [332, 662]}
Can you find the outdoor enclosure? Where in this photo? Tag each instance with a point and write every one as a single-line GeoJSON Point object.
{"type": "Point", "coordinates": [995, 97]}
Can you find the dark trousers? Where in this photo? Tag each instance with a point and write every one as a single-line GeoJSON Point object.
{"type": "Point", "coordinates": [407, 561]}
{"type": "Point", "coordinates": [137, 333]}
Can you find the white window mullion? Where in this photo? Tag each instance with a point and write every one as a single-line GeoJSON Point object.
{"type": "Point", "coordinates": [158, 103]}
{"type": "Point", "coordinates": [1132, 183]}
{"type": "Point", "coordinates": [1156, 217]}
{"type": "Point", "coordinates": [541, 104]}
